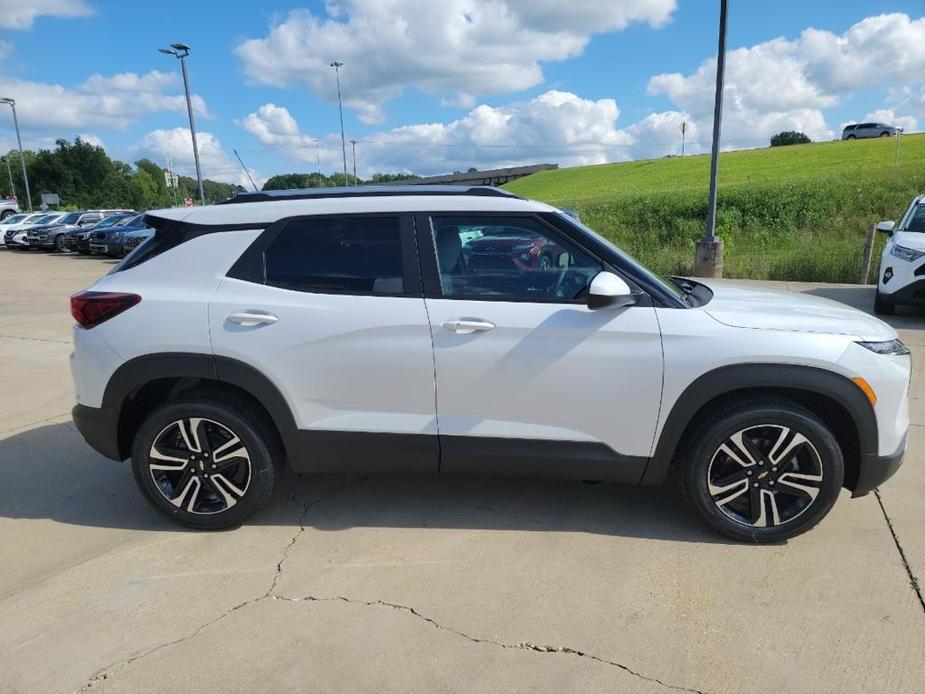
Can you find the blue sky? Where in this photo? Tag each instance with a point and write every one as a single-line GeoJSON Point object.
{"type": "Point", "coordinates": [435, 86]}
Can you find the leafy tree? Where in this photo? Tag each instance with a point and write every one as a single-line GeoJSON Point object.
{"type": "Point", "coordinates": [790, 137]}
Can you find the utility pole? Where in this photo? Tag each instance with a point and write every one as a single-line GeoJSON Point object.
{"type": "Point", "coordinates": [683, 136]}
{"type": "Point", "coordinates": [337, 65]}
{"type": "Point", "coordinates": [181, 51]}
{"type": "Point", "coordinates": [321, 183]}
{"type": "Point", "coordinates": [173, 184]}
{"type": "Point", "coordinates": [353, 145]}
{"type": "Point", "coordinates": [22, 159]}
{"type": "Point", "coordinates": [708, 254]}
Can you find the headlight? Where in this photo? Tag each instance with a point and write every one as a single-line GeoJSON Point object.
{"type": "Point", "coordinates": [906, 254]}
{"type": "Point", "coordinates": [890, 347]}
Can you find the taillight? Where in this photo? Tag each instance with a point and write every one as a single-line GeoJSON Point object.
{"type": "Point", "coordinates": [92, 308]}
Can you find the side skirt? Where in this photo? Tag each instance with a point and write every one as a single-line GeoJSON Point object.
{"type": "Point", "coordinates": [350, 451]}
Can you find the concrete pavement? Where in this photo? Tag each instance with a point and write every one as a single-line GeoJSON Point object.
{"type": "Point", "coordinates": [383, 584]}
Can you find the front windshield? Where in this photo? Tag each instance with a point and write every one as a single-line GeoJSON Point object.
{"type": "Point", "coordinates": [70, 218]}
{"type": "Point", "coordinates": [44, 219]}
{"type": "Point", "coordinates": [134, 221]}
{"type": "Point", "coordinates": [916, 221]}
{"type": "Point", "coordinates": [637, 266]}
{"type": "Point", "coordinates": [14, 219]}
{"type": "Point", "coordinates": [110, 221]}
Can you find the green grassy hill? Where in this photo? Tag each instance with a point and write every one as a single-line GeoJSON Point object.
{"type": "Point", "coordinates": [790, 213]}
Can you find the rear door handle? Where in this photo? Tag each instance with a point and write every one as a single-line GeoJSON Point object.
{"type": "Point", "coordinates": [466, 326]}
{"type": "Point", "coordinates": [252, 318]}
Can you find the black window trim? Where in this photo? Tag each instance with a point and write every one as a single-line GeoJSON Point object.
{"type": "Point", "coordinates": [433, 289]}
{"type": "Point", "coordinates": [243, 267]}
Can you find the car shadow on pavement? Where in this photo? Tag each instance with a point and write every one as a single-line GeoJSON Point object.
{"type": "Point", "coordinates": [49, 472]}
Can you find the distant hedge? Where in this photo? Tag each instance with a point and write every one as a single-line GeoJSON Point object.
{"type": "Point", "coordinates": [790, 137]}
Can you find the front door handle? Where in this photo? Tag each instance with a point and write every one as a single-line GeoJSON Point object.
{"type": "Point", "coordinates": [467, 326]}
{"type": "Point", "coordinates": [251, 318]}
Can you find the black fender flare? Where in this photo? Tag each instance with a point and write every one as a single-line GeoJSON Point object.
{"type": "Point", "coordinates": [743, 377]}
{"type": "Point", "coordinates": [138, 372]}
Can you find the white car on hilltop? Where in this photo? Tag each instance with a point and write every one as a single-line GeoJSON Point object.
{"type": "Point", "coordinates": [466, 330]}
{"type": "Point", "coordinates": [902, 265]}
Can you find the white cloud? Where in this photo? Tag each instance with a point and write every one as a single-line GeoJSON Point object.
{"type": "Point", "coordinates": [785, 84]}
{"type": "Point", "coordinates": [112, 101]}
{"type": "Point", "coordinates": [555, 126]}
{"type": "Point", "coordinates": [5, 49]}
{"type": "Point", "coordinates": [92, 139]}
{"type": "Point", "coordinates": [21, 14]}
{"type": "Point", "coordinates": [460, 48]}
{"type": "Point", "coordinates": [176, 145]}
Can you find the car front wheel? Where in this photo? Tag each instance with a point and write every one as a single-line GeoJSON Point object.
{"type": "Point", "coordinates": [761, 470]}
{"type": "Point", "coordinates": [204, 463]}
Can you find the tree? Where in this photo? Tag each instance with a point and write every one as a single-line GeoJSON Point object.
{"type": "Point", "coordinates": [790, 137]}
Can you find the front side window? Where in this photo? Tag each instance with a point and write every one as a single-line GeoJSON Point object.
{"type": "Point", "coordinates": [509, 258]}
{"type": "Point", "coordinates": [337, 255]}
{"type": "Point", "coordinates": [916, 220]}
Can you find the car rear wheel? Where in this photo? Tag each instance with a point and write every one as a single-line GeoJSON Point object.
{"type": "Point", "coordinates": [6, 213]}
{"type": "Point", "coordinates": [884, 134]}
{"type": "Point", "coordinates": [762, 470]}
{"type": "Point", "coordinates": [204, 463]}
{"type": "Point", "coordinates": [883, 306]}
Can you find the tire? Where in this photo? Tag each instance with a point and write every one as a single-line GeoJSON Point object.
{"type": "Point", "coordinates": [201, 501]}
{"type": "Point", "coordinates": [884, 135]}
{"type": "Point", "coordinates": [883, 306]}
{"type": "Point", "coordinates": [851, 137]}
{"type": "Point", "coordinates": [59, 243]}
{"type": "Point", "coordinates": [83, 252]}
{"type": "Point", "coordinates": [758, 501]}
{"type": "Point", "coordinates": [5, 214]}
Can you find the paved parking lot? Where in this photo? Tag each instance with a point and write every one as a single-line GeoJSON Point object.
{"type": "Point", "coordinates": [423, 584]}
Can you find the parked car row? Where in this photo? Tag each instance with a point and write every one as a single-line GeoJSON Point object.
{"type": "Point", "coordinates": [85, 232]}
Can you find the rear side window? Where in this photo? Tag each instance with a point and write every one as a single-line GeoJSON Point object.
{"type": "Point", "coordinates": [337, 255]}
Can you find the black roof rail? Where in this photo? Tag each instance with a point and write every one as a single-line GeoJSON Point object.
{"type": "Point", "coordinates": [367, 192]}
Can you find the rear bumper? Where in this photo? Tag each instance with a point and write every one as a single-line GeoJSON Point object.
{"type": "Point", "coordinates": [875, 470]}
{"type": "Point", "coordinates": [100, 428]}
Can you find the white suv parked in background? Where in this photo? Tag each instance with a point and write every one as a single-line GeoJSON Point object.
{"type": "Point", "coordinates": [902, 265]}
{"type": "Point", "coordinates": [467, 330]}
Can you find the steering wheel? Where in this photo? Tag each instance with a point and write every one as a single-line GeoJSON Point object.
{"type": "Point", "coordinates": [569, 284]}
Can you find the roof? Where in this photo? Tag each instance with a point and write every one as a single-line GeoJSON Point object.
{"type": "Point", "coordinates": [365, 192]}
{"type": "Point", "coordinates": [487, 177]}
{"type": "Point", "coordinates": [264, 211]}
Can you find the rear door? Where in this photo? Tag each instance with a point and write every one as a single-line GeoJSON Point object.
{"type": "Point", "coordinates": [330, 309]}
{"type": "Point", "coordinates": [529, 380]}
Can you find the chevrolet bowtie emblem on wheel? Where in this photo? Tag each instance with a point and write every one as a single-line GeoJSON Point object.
{"type": "Point", "coordinates": [761, 476]}
{"type": "Point", "coordinates": [203, 467]}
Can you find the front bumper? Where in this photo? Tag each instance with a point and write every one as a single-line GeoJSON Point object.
{"type": "Point", "coordinates": [913, 294]}
{"type": "Point", "coordinates": [100, 428]}
{"type": "Point", "coordinates": [874, 470]}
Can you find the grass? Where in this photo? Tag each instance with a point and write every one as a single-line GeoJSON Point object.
{"type": "Point", "coordinates": [785, 213]}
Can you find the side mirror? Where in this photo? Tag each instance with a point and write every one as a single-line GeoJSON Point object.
{"type": "Point", "coordinates": [609, 290]}
{"type": "Point", "coordinates": [886, 227]}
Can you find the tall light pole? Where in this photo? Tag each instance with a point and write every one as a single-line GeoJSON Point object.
{"type": "Point", "coordinates": [22, 159]}
{"type": "Point", "coordinates": [353, 144]}
{"type": "Point", "coordinates": [337, 65]}
{"type": "Point", "coordinates": [180, 51]}
{"type": "Point", "coordinates": [683, 136]}
{"type": "Point", "coordinates": [708, 256]}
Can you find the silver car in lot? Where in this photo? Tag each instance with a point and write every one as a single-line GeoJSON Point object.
{"type": "Point", "coordinates": [858, 131]}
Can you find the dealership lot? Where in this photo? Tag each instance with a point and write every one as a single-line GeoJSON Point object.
{"type": "Point", "coordinates": [349, 583]}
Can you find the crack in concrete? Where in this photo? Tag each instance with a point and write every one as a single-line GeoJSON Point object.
{"type": "Point", "coordinates": [913, 580]}
{"type": "Point", "coordinates": [521, 645]}
{"type": "Point", "coordinates": [306, 507]}
{"type": "Point", "coordinates": [106, 672]}
{"type": "Point", "coordinates": [34, 339]}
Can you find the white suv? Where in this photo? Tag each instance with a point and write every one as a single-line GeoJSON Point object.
{"type": "Point", "coordinates": [902, 265]}
{"type": "Point", "coordinates": [467, 330]}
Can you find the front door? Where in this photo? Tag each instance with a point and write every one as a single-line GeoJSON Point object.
{"type": "Point", "coordinates": [529, 380]}
{"type": "Point", "coordinates": [331, 310]}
